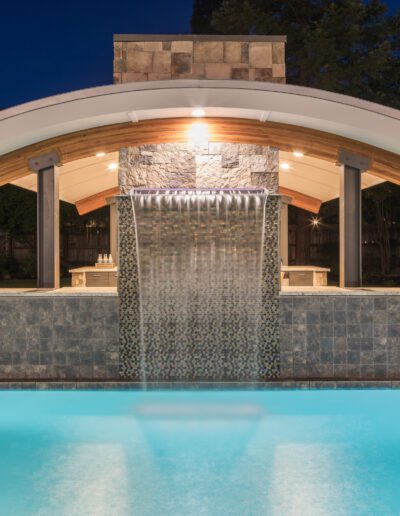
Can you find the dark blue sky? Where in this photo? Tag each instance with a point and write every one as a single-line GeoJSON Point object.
{"type": "Point", "coordinates": [49, 47]}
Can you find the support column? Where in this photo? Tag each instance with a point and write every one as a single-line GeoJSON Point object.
{"type": "Point", "coordinates": [48, 225]}
{"type": "Point", "coordinates": [350, 218]}
{"type": "Point", "coordinates": [284, 229]}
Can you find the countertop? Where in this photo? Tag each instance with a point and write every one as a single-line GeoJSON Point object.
{"type": "Point", "coordinates": [94, 269]}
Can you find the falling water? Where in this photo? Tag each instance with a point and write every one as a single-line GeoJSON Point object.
{"type": "Point", "coordinates": [200, 254]}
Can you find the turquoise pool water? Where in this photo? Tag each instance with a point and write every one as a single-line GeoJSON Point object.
{"type": "Point", "coordinates": [200, 453]}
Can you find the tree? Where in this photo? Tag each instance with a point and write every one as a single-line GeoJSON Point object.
{"type": "Point", "coordinates": [381, 211]}
{"type": "Point", "coordinates": [18, 214]}
{"type": "Point", "coordinates": [346, 46]}
{"type": "Point", "coordinates": [202, 14]}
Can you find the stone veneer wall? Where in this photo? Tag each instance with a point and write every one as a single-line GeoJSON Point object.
{"type": "Point", "coordinates": [214, 165]}
{"type": "Point", "coordinates": [153, 58]}
{"type": "Point", "coordinates": [340, 336]}
{"type": "Point", "coordinates": [59, 337]}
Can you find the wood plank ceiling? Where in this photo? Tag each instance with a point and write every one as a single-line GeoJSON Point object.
{"type": "Point", "coordinates": [77, 145]}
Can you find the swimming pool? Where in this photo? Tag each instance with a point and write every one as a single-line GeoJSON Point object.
{"type": "Point", "coordinates": [199, 453]}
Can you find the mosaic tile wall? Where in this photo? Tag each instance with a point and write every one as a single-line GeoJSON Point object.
{"type": "Point", "coordinates": [208, 337]}
{"type": "Point", "coordinates": [340, 336]}
{"type": "Point", "coordinates": [270, 289]}
{"type": "Point", "coordinates": [204, 312]}
{"type": "Point", "coordinates": [254, 58]}
{"type": "Point", "coordinates": [128, 289]}
{"type": "Point", "coordinates": [213, 165]}
{"type": "Point", "coordinates": [59, 337]}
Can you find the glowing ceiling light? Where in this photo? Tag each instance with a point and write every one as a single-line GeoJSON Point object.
{"type": "Point", "coordinates": [198, 112]}
{"type": "Point", "coordinates": [100, 154]}
{"type": "Point", "coordinates": [284, 166]}
{"type": "Point", "coordinates": [298, 154]}
{"type": "Point", "coordinates": [198, 134]}
{"type": "Point", "coordinates": [112, 166]}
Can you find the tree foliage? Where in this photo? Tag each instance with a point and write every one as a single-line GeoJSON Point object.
{"type": "Point", "coordinates": [346, 46]}
{"type": "Point", "coordinates": [18, 213]}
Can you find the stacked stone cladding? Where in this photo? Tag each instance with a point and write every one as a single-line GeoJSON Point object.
{"type": "Point", "coordinates": [212, 165]}
{"type": "Point", "coordinates": [154, 58]}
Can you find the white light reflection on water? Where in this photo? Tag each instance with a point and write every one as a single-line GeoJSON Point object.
{"type": "Point", "coordinates": [86, 479]}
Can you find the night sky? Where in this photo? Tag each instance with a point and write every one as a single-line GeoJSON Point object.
{"type": "Point", "coordinates": [49, 47]}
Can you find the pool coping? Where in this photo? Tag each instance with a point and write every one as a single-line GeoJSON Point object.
{"type": "Point", "coordinates": [197, 386]}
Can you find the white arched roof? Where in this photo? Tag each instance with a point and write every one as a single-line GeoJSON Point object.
{"type": "Point", "coordinates": [306, 107]}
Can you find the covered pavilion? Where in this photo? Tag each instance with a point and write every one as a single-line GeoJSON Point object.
{"type": "Point", "coordinates": [67, 147]}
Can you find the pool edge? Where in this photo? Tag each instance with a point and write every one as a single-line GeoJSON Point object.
{"type": "Point", "coordinates": [136, 386]}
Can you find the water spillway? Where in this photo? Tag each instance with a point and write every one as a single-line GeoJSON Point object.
{"type": "Point", "coordinates": [200, 256]}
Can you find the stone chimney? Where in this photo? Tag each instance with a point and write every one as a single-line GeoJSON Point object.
{"type": "Point", "coordinates": [159, 57]}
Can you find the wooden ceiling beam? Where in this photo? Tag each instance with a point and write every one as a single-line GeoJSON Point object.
{"type": "Point", "coordinates": [300, 200]}
{"type": "Point", "coordinates": [94, 202]}
{"type": "Point", "coordinates": [111, 138]}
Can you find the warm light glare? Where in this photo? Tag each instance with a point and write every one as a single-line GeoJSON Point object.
{"type": "Point", "coordinates": [198, 112]}
{"type": "Point", "coordinates": [198, 133]}
{"type": "Point", "coordinates": [112, 166]}
{"type": "Point", "coordinates": [298, 154]}
{"type": "Point", "coordinates": [100, 154]}
{"type": "Point", "coordinates": [315, 222]}
{"type": "Point", "coordinates": [285, 166]}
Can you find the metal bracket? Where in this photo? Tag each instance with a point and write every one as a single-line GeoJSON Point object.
{"type": "Point", "coordinates": [286, 199]}
{"type": "Point", "coordinates": [264, 116]}
{"type": "Point", "coordinates": [132, 115]}
{"type": "Point", "coordinates": [44, 161]}
{"type": "Point", "coordinates": [350, 159]}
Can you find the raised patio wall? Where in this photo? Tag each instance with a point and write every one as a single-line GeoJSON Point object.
{"type": "Point", "coordinates": [336, 336]}
{"type": "Point", "coordinates": [341, 336]}
{"type": "Point", "coordinates": [154, 58]}
{"type": "Point", "coordinates": [59, 337]}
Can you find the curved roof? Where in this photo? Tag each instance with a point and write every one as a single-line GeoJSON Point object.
{"type": "Point", "coordinates": [78, 124]}
{"type": "Point", "coordinates": [340, 115]}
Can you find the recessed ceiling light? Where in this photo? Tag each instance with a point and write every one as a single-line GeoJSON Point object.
{"type": "Point", "coordinates": [112, 166]}
{"type": "Point", "coordinates": [298, 154]}
{"type": "Point", "coordinates": [198, 112]}
{"type": "Point", "coordinates": [100, 154]}
{"type": "Point", "coordinates": [284, 166]}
